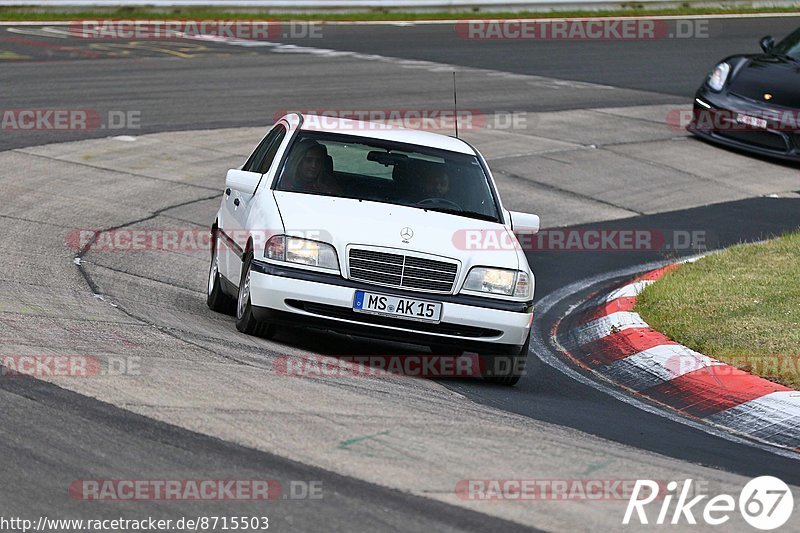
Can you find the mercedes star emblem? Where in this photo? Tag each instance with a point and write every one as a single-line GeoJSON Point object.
{"type": "Point", "coordinates": [406, 234]}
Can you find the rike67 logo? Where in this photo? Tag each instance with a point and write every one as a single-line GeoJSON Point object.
{"type": "Point", "coordinates": [766, 503]}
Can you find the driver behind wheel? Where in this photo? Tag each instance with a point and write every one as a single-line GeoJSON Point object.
{"type": "Point", "coordinates": [436, 184]}
{"type": "Point", "coordinates": [423, 180]}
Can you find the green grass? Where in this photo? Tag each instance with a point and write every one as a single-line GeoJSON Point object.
{"type": "Point", "coordinates": [129, 13]}
{"type": "Point", "coordinates": [741, 306]}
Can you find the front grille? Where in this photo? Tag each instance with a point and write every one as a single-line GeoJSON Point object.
{"type": "Point", "coordinates": [762, 139]}
{"type": "Point", "coordinates": [397, 270]}
{"type": "Point", "coordinates": [443, 328]}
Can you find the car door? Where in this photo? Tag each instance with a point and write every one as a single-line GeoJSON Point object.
{"type": "Point", "coordinates": [239, 204]}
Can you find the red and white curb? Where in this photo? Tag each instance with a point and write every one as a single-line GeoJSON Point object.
{"type": "Point", "coordinates": [605, 336]}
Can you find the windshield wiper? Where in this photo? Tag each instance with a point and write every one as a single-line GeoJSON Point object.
{"type": "Point", "coordinates": [462, 212]}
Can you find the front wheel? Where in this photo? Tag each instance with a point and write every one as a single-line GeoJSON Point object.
{"type": "Point", "coordinates": [216, 299]}
{"type": "Point", "coordinates": [506, 365]}
{"type": "Point", "coordinates": [246, 322]}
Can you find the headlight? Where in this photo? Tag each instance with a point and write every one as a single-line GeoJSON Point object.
{"type": "Point", "coordinates": [719, 76]}
{"type": "Point", "coordinates": [301, 251]}
{"type": "Point", "coordinates": [499, 281]}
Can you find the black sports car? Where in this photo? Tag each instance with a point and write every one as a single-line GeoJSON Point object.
{"type": "Point", "coordinates": [752, 102]}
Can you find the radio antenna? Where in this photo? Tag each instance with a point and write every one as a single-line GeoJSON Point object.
{"type": "Point", "coordinates": [455, 103]}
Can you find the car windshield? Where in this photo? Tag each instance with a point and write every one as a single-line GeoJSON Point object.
{"type": "Point", "coordinates": [790, 46]}
{"type": "Point", "coordinates": [384, 171]}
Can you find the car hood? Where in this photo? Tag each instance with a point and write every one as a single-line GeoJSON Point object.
{"type": "Point", "coordinates": [767, 74]}
{"type": "Point", "coordinates": [345, 221]}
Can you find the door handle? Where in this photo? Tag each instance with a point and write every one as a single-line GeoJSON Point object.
{"type": "Point", "coordinates": [236, 201]}
{"type": "Point", "coordinates": [228, 191]}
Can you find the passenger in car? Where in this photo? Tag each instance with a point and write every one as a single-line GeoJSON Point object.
{"type": "Point", "coordinates": [308, 170]}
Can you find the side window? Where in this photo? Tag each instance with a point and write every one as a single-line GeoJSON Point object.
{"type": "Point", "coordinates": [255, 162]}
{"type": "Point", "coordinates": [269, 156]}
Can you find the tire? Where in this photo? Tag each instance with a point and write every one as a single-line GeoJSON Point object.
{"type": "Point", "coordinates": [246, 322]}
{"type": "Point", "coordinates": [217, 300]}
{"type": "Point", "coordinates": [508, 368]}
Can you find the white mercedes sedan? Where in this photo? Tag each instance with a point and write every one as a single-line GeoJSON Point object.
{"type": "Point", "coordinates": [377, 231]}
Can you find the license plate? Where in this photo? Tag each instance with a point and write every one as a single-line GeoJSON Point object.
{"type": "Point", "coordinates": [751, 121]}
{"type": "Point", "coordinates": [394, 306]}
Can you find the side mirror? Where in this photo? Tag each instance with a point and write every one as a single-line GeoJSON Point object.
{"type": "Point", "coordinates": [767, 43]}
{"type": "Point", "coordinates": [242, 180]}
{"type": "Point", "coordinates": [524, 222]}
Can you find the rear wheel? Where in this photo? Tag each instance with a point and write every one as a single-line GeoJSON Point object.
{"type": "Point", "coordinates": [506, 365]}
{"type": "Point", "coordinates": [246, 322]}
{"type": "Point", "coordinates": [216, 299]}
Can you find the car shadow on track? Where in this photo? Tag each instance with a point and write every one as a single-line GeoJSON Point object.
{"type": "Point", "coordinates": [364, 357]}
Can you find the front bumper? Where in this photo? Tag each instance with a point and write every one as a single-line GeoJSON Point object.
{"type": "Point", "coordinates": [291, 296]}
{"type": "Point", "coordinates": [771, 141]}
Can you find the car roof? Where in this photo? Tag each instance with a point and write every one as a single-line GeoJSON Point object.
{"type": "Point", "coordinates": [388, 132]}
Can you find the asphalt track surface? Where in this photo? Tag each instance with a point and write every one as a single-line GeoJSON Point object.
{"type": "Point", "coordinates": [72, 429]}
{"type": "Point", "coordinates": [221, 86]}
